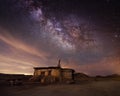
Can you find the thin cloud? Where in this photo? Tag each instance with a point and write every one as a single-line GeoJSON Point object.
{"type": "Point", "coordinates": [10, 40]}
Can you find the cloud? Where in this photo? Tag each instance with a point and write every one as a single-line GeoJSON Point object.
{"type": "Point", "coordinates": [108, 65]}
{"type": "Point", "coordinates": [10, 40]}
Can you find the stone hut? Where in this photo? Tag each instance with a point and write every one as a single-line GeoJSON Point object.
{"type": "Point", "coordinates": [53, 74]}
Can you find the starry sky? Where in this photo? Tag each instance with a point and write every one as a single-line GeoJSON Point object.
{"type": "Point", "coordinates": [84, 34]}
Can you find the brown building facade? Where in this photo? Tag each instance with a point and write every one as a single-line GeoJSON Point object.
{"type": "Point", "coordinates": [53, 74]}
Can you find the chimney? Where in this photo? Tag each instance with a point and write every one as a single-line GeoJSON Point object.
{"type": "Point", "coordinates": [59, 65]}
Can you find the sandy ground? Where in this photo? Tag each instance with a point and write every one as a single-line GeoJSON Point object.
{"type": "Point", "coordinates": [96, 88]}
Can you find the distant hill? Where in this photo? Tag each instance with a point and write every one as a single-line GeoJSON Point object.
{"type": "Point", "coordinates": [11, 76]}
{"type": "Point", "coordinates": [7, 77]}
{"type": "Point", "coordinates": [113, 75]}
{"type": "Point", "coordinates": [81, 77]}
{"type": "Point", "coordinates": [108, 77]}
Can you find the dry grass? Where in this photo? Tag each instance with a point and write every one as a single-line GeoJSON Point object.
{"type": "Point", "coordinates": [96, 88]}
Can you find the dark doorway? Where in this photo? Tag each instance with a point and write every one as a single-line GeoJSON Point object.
{"type": "Point", "coordinates": [49, 72]}
{"type": "Point", "coordinates": [42, 73]}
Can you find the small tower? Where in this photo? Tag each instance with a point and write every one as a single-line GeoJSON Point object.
{"type": "Point", "coordinates": [59, 65]}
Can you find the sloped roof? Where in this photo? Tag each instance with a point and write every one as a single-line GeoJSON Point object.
{"type": "Point", "coordinates": [37, 68]}
{"type": "Point", "coordinates": [46, 67]}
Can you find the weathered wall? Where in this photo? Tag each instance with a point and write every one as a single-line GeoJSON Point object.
{"type": "Point", "coordinates": [54, 75]}
{"type": "Point", "coordinates": [67, 74]}
{"type": "Point", "coordinates": [54, 72]}
{"type": "Point", "coordinates": [38, 72]}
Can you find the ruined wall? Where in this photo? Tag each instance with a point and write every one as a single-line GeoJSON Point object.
{"type": "Point", "coordinates": [54, 72]}
{"type": "Point", "coordinates": [40, 72]}
{"type": "Point", "coordinates": [47, 75]}
{"type": "Point", "coordinates": [50, 75]}
{"type": "Point", "coordinates": [67, 74]}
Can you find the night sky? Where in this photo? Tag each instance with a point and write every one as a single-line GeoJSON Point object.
{"type": "Point", "coordinates": [84, 34]}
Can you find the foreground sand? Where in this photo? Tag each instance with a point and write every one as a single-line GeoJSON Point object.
{"type": "Point", "coordinates": [96, 88]}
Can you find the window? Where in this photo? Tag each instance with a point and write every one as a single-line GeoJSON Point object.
{"type": "Point", "coordinates": [43, 73]}
{"type": "Point", "coordinates": [49, 72]}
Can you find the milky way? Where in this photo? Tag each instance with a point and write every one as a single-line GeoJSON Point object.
{"type": "Point", "coordinates": [84, 34]}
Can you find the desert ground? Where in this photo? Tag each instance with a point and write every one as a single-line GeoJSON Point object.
{"type": "Point", "coordinates": [95, 88]}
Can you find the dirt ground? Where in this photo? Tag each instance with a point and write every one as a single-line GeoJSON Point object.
{"type": "Point", "coordinates": [96, 88]}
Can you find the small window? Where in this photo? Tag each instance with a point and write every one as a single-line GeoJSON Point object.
{"type": "Point", "coordinates": [43, 73]}
{"type": "Point", "coordinates": [49, 72]}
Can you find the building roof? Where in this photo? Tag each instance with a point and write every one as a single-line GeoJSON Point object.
{"type": "Point", "coordinates": [46, 67]}
{"type": "Point", "coordinates": [68, 69]}
{"type": "Point", "coordinates": [37, 68]}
